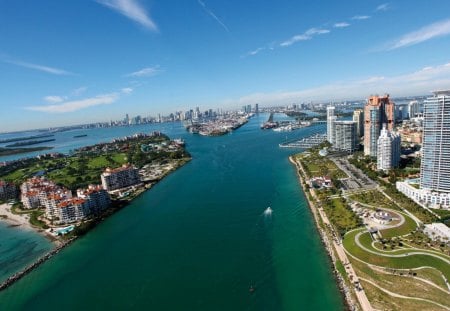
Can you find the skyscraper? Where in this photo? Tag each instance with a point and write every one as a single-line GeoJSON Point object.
{"type": "Point", "coordinates": [378, 111]}
{"type": "Point", "coordinates": [435, 168]}
{"type": "Point", "coordinates": [331, 118]}
{"type": "Point", "coordinates": [388, 153]}
{"type": "Point", "coordinates": [413, 108]}
{"type": "Point", "coordinates": [358, 117]}
{"type": "Point", "coordinates": [345, 136]}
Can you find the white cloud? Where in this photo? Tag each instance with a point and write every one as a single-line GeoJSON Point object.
{"type": "Point", "coordinates": [79, 91]}
{"type": "Point", "coordinates": [426, 33]}
{"type": "Point", "coordinates": [71, 106]}
{"type": "Point", "coordinates": [360, 17]}
{"type": "Point", "coordinates": [133, 10]}
{"type": "Point", "coordinates": [214, 16]}
{"type": "Point", "coordinates": [126, 90]}
{"type": "Point", "coordinates": [415, 83]}
{"type": "Point", "coordinates": [53, 99]}
{"type": "Point", "coordinates": [383, 7]}
{"type": "Point", "coordinates": [254, 52]}
{"type": "Point", "coordinates": [341, 25]}
{"type": "Point", "coordinates": [46, 69]}
{"type": "Point", "coordinates": [145, 72]}
{"type": "Point", "coordinates": [307, 35]}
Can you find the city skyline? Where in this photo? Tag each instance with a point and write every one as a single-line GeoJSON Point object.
{"type": "Point", "coordinates": [150, 57]}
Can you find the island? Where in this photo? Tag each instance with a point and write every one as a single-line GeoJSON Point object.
{"type": "Point", "coordinates": [64, 196]}
{"type": "Point", "coordinates": [11, 151]}
{"type": "Point", "coordinates": [29, 143]}
{"type": "Point", "coordinates": [15, 139]}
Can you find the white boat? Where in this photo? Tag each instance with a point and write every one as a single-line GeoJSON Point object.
{"type": "Point", "coordinates": [268, 211]}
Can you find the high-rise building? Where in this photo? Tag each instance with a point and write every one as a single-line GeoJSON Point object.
{"type": "Point", "coordinates": [388, 153]}
{"type": "Point", "coordinates": [345, 136]}
{"type": "Point", "coordinates": [435, 167]}
{"type": "Point", "coordinates": [413, 109]}
{"type": "Point", "coordinates": [256, 108]}
{"type": "Point", "coordinates": [378, 111]}
{"type": "Point", "coordinates": [331, 118]}
{"type": "Point", "coordinates": [124, 176]}
{"type": "Point", "coordinates": [358, 117]}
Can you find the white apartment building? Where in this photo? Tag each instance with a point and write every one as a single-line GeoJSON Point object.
{"type": "Point", "coordinates": [388, 150]}
{"type": "Point", "coordinates": [345, 138]}
{"type": "Point", "coordinates": [122, 177]}
{"type": "Point", "coordinates": [331, 118]}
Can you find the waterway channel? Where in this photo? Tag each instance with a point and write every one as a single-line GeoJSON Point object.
{"type": "Point", "coordinates": [198, 240]}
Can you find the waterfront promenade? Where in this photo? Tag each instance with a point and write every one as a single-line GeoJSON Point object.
{"type": "Point", "coordinates": [318, 211]}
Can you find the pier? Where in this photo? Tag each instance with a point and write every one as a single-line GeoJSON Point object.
{"type": "Point", "coordinates": [305, 143]}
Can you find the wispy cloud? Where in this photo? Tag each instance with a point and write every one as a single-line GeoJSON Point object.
{"type": "Point", "coordinates": [71, 106]}
{"type": "Point", "coordinates": [214, 16]}
{"type": "Point", "coordinates": [133, 10]}
{"type": "Point", "coordinates": [53, 99]}
{"type": "Point", "coordinates": [418, 82]}
{"type": "Point", "coordinates": [360, 17]}
{"type": "Point", "coordinates": [426, 33]}
{"type": "Point", "coordinates": [126, 90]}
{"type": "Point", "coordinates": [307, 35]}
{"type": "Point", "coordinates": [341, 25]}
{"type": "Point", "coordinates": [253, 52]}
{"type": "Point", "coordinates": [46, 69]}
{"type": "Point", "coordinates": [79, 91]}
{"type": "Point", "coordinates": [383, 7]}
{"type": "Point", "coordinates": [145, 72]}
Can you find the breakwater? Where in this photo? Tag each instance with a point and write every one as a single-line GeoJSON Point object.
{"type": "Point", "coordinates": [17, 276]}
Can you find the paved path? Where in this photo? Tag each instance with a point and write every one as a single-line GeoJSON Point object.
{"type": "Point", "coordinates": [360, 293]}
{"type": "Point", "coordinates": [404, 297]}
{"type": "Point", "coordinates": [410, 253]}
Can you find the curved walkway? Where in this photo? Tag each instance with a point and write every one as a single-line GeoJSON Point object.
{"type": "Point", "coordinates": [410, 253]}
{"type": "Point", "coordinates": [401, 296]}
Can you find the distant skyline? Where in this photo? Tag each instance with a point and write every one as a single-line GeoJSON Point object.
{"type": "Point", "coordinates": [95, 60]}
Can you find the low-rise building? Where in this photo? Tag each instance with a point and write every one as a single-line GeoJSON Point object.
{"type": "Point", "coordinates": [122, 177]}
{"type": "Point", "coordinates": [438, 231]}
{"type": "Point", "coordinates": [424, 197]}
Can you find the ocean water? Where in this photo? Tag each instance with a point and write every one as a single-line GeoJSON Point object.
{"type": "Point", "coordinates": [19, 248]}
{"type": "Point", "coordinates": [198, 240]}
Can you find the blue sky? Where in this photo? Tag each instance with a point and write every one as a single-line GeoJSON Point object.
{"type": "Point", "coordinates": [70, 62]}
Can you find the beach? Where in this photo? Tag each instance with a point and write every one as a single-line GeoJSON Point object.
{"type": "Point", "coordinates": [22, 221]}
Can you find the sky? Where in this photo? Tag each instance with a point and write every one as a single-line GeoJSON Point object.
{"type": "Point", "coordinates": [72, 62]}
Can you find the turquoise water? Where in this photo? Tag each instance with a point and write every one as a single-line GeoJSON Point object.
{"type": "Point", "coordinates": [198, 240]}
{"type": "Point", "coordinates": [19, 248]}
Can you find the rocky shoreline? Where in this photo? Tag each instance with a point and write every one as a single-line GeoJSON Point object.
{"type": "Point", "coordinates": [344, 290]}
{"type": "Point", "coordinates": [18, 275]}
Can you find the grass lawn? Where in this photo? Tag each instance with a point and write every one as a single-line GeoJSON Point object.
{"type": "Point", "coordinates": [408, 226]}
{"type": "Point", "coordinates": [401, 284]}
{"type": "Point", "coordinates": [409, 262]}
{"type": "Point", "coordinates": [340, 215]}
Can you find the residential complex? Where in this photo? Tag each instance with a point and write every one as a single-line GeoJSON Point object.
{"type": "Point", "coordinates": [122, 177]}
{"type": "Point", "coordinates": [388, 150]}
{"type": "Point", "coordinates": [434, 188]}
{"type": "Point", "coordinates": [60, 206]}
{"type": "Point", "coordinates": [345, 136]}
{"type": "Point", "coordinates": [378, 111]}
{"type": "Point", "coordinates": [435, 168]}
{"type": "Point", "coordinates": [7, 190]}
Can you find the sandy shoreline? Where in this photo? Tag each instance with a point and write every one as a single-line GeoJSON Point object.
{"type": "Point", "coordinates": [21, 221]}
